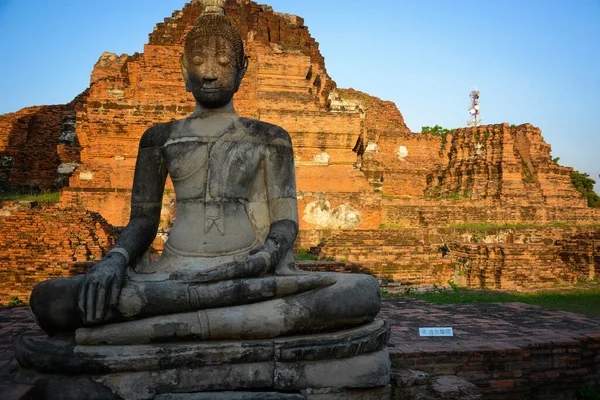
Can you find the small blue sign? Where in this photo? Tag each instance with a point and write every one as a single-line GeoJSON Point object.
{"type": "Point", "coordinates": [436, 332]}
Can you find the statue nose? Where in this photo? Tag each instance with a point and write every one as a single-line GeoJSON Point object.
{"type": "Point", "coordinates": [209, 73]}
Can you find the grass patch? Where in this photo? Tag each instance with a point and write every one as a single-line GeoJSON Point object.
{"type": "Point", "coordinates": [45, 197]}
{"type": "Point", "coordinates": [582, 301]}
{"type": "Point", "coordinates": [304, 255]}
{"type": "Point", "coordinates": [392, 226]}
{"type": "Point", "coordinates": [482, 226]}
{"type": "Point", "coordinates": [589, 393]}
{"type": "Point", "coordinates": [454, 195]}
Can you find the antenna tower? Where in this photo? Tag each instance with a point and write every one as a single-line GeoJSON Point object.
{"type": "Point", "coordinates": [474, 108]}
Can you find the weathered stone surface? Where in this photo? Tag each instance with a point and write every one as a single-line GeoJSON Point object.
{"type": "Point", "coordinates": [363, 371]}
{"type": "Point", "coordinates": [68, 135]}
{"type": "Point", "coordinates": [230, 396]}
{"type": "Point", "coordinates": [406, 378]}
{"type": "Point", "coordinates": [15, 392]}
{"type": "Point", "coordinates": [453, 387]}
{"type": "Point", "coordinates": [342, 344]}
{"type": "Point", "coordinates": [379, 393]}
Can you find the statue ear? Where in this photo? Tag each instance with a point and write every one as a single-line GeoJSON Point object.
{"type": "Point", "coordinates": [184, 72]}
{"type": "Point", "coordinates": [242, 72]}
{"type": "Point", "coordinates": [245, 67]}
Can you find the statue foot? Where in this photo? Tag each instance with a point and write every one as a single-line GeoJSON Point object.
{"type": "Point", "coordinates": [46, 354]}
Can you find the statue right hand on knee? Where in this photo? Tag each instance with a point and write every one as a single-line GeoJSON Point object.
{"type": "Point", "coordinates": [99, 292]}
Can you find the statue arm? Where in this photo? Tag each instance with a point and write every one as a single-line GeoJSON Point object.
{"type": "Point", "coordinates": [99, 292]}
{"type": "Point", "coordinates": [280, 181]}
{"type": "Point", "coordinates": [146, 203]}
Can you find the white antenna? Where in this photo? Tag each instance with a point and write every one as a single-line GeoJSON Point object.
{"type": "Point", "coordinates": [474, 108]}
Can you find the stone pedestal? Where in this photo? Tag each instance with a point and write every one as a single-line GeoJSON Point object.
{"type": "Point", "coordinates": [349, 364]}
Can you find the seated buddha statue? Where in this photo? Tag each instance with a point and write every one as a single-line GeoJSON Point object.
{"type": "Point", "coordinates": [227, 270]}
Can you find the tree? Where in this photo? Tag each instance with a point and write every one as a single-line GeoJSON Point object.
{"type": "Point", "coordinates": [585, 185]}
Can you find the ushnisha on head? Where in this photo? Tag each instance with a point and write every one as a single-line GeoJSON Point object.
{"type": "Point", "coordinates": [213, 62]}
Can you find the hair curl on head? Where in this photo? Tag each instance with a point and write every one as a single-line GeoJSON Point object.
{"type": "Point", "coordinates": [217, 24]}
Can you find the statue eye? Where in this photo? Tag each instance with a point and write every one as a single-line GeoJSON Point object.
{"type": "Point", "coordinates": [223, 59]}
{"type": "Point", "coordinates": [197, 60]}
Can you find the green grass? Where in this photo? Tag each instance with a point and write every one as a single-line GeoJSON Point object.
{"type": "Point", "coordinates": [45, 197]}
{"type": "Point", "coordinates": [305, 257]}
{"type": "Point", "coordinates": [589, 393]}
{"type": "Point", "coordinates": [582, 301]}
{"type": "Point", "coordinates": [392, 226]}
{"type": "Point", "coordinates": [505, 226]}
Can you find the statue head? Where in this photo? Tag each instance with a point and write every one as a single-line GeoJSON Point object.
{"type": "Point", "coordinates": [213, 61]}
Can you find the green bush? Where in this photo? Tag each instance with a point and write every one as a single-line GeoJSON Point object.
{"type": "Point", "coordinates": [589, 393]}
{"type": "Point", "coordinates": [585, 185]}
{"type": "Point", "coordinates": [15, 301]}
{"type": "Point", "coordinates": [304, 255]}
{"type": "Point", "coordinates": [437, 130]}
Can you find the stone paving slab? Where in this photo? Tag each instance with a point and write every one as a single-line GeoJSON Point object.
{"type": "Point", "coordinates": [483, 326]}
{"type": "Point", "coordinates": [509, 350]}
{"type": "Point", "coordinates": [506, 335]}
{"type": "Point", "coordinates": [13, 322]}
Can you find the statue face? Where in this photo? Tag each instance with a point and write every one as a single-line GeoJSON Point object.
{"type": "Point", "coordinates": [210, 71]}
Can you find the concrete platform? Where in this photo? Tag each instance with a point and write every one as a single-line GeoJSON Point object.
{"type": "Point", "coordinates": [509, 350]}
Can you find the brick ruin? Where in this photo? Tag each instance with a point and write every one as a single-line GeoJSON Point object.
{"type": "Point", "coordinates": [369, 190]}
{"type": "Point", "coordinates": [45, 243]}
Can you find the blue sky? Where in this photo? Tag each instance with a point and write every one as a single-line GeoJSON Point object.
{"type": "Point", "coordinates": [534, 61]}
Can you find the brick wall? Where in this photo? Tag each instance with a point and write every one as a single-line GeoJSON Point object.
{"type": "Point", "coordinates": [507, 163]}
{"type": "Point", "coordinates": [30, 137]}
{"type": "Point", "coordinates": [511, 266]}
{"type": "Point", "coordinates": [44, 243]}
{"type": "Point", "coordinates": [447, 212]}
{"type": "Point", "coordinates": [551, 370]}
{"type": "Point", "coordinates": [494, 258]}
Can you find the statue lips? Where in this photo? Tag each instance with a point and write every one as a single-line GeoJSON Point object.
{"type": "Point", "coordinates": [211, 89]}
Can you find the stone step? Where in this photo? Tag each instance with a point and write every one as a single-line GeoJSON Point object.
{"type": "Point", "coordinates": [15, 391]}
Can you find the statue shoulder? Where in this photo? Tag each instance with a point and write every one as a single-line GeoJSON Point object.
{"type": "Point", "coordinates": [266, 132]}
{"type": "Point", "coordinates": [157, 135]}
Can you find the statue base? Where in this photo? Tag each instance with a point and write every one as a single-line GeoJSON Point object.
{"type": "Point", "coordinates": [349, 364]}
